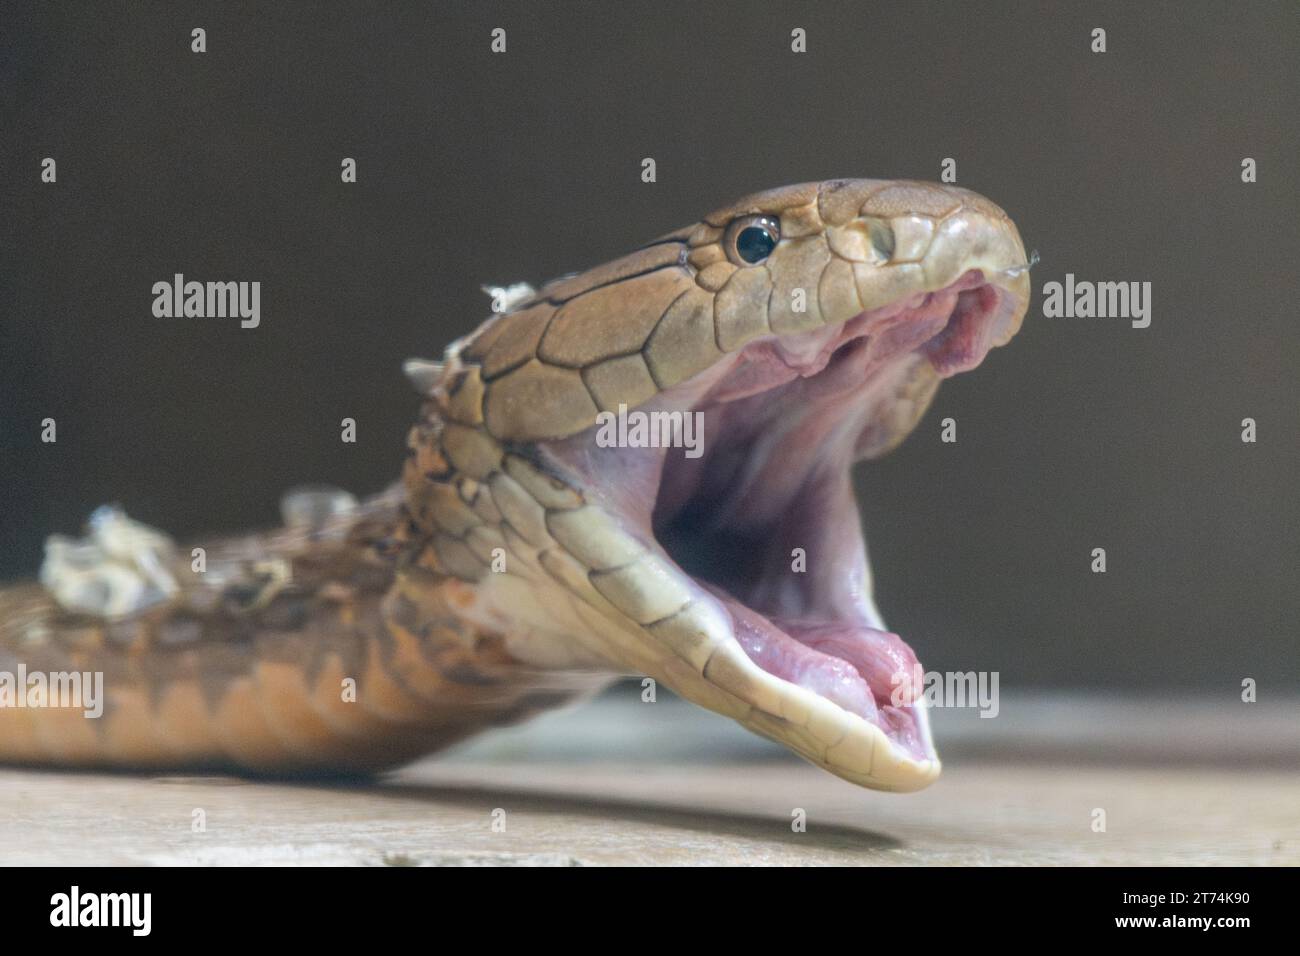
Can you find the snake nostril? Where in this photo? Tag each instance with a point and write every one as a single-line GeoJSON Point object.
{"type": "Point", "coordinates": [882, 239]}
{"type": "Point", "coordinates": [866, 239]}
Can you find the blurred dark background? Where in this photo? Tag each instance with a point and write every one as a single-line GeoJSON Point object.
{"type": "Point", "coordinates": [475, 168]}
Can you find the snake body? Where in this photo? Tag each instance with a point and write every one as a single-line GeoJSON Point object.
{"type": "Point", "coordinates": [518, 564]}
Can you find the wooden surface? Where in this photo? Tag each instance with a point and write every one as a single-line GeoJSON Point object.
{"type": "Point", "coordinates": [671, 785]}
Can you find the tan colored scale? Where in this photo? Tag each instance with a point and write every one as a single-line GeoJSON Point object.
{"type": "Point", "coordinates": [491, 584]}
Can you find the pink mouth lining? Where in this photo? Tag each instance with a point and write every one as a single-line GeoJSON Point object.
{"type": "Point", "coordinates": [783, 421]}
{"type": "Point", "coordinates": [862, 669]}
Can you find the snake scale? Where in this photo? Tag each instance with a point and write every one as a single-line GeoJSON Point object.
{"type": "Point", "coordinates": [522, 562]}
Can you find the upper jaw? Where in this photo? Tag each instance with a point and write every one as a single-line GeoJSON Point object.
{"type": "Point", "coordinates": [972, 246]}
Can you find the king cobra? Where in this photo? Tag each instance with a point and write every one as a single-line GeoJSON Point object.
{"type": "Point", "coordinates": [543, 540]}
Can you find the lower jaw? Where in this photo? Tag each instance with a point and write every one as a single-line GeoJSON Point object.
{"type": "Point", "coordinates": [863, 670]}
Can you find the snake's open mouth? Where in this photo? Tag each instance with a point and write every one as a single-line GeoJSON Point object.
{"type": "Point", "coordinates": [766, 518]}
{"type": "Point", "coordinates": [761, 513]}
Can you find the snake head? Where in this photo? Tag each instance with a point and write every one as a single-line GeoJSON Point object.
{"type": "Point", "coordinates": [659, 449]}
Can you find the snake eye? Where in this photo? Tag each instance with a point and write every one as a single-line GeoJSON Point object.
{"type": "Point", "coordinates": [751, 239]}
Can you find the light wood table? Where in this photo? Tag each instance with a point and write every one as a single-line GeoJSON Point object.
{"type": "Point", "coordinates": [622, 783]}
